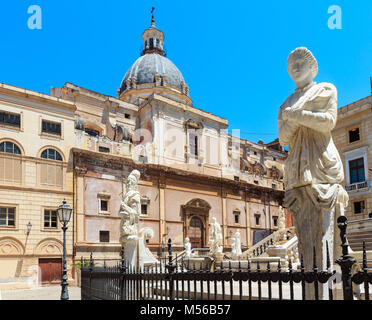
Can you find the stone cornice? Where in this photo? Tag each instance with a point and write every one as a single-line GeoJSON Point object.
{"type": "Point", "coordinates": [28, 96]}
{"type": "Point", "coordinates": [116, 162]}
{"type": "Point", "coordinates": [159, 99]}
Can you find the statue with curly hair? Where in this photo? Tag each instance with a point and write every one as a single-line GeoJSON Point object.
{"type": "Point", "coordinates": [313, 169]}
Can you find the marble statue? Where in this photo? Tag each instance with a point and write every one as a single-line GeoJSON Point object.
{"type": "Point", "coordinates": [136, 252]}
{"type": "Point", "coordinates": [238, 244]}
{"type": "Point", "coordinates": [187, 246]}
{"type": "Point", "coordinates": [130, 208]}
{"type": "Point", "coordinates": [234, 255]}
{"type": "Point", "coordinates": [313, 170]}
{"type": "Point", "coordinates": [215, 238]}
{"type": "Point", "coordinates": [281, 223]}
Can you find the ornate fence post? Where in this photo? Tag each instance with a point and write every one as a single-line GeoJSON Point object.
{"type": "Point", "coordinates": [170, 268]}
{"type": "Point", "coordinates": [122, 287]}
{"type": "Point", "coordinates": [346, 262]}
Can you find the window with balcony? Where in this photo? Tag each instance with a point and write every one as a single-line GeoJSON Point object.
{"type": "Point", "coordinates": [354, 135]}
{"type": "Point", "coordinates": [91, 132]}
{"type": "Point", "coordinates": [359, 207]}
{"type": "Point", "coordinates": [356, 169]}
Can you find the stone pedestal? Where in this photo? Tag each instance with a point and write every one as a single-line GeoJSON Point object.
{"type": "Point", "coordinates": [218, 257]}
{"type": "Point", "coordinates": [130, 245]}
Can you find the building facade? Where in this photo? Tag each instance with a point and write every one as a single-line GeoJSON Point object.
{"type": "Point", "coordinates": [36, 131]}
{"type": "Point", "coordinates": [353, 139]}
{"type": "Point", "coordinates": [81, 145]}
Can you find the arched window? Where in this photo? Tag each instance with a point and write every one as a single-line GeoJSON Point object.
{"type": "Point", "coordinates": [51, 173]}
{"type": "Point", "coordinates": [51, 154]}
{"type": "Point", "coordinates": [10, 163]}
{"type": "Point", "coordinates": [9, 147]}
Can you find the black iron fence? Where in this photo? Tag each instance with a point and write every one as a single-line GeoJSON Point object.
{"type": "Point", "coordinates": [184, 280]}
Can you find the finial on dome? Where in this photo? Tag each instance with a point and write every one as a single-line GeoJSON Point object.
{"type": "Point", "coordinates": [152, 17]}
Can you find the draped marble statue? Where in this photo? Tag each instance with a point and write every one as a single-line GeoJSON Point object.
{"type": "Point", "coordinates": [215, 238]}
{"type": "Point", "coordinates": [136, 252]}
{"type": "Point", "coordinates": [187, 246]}
{"type": "Point", "coordinates": [236, 246]}
{"type": "Point", "coordinates": [313, 170]}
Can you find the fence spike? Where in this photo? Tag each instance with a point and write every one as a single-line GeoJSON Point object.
{"type": "Point", "coordinates": [170, 254]}
{"type": "Point", "coordinates": [328, 258]}
{"type": "Point", "coordinates": [315, 267]}
{"type": "Point", "coordinates": [302, 264]}
{"type": "Point", "coordinates": [230, 265]}
{"type": "Point", "coordinates": [365, 267]}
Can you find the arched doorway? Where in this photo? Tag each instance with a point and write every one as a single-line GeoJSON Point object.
{"type": "Point", "coordinates": [196, 227]}
{"type": "Point", "coordinates": [196, 233]}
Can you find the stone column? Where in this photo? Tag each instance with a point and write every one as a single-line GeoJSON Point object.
{"type": "Point", "coordinates": [80, 221]}
{"type": "Point", "coordinates": [161, 209]}
{"type": "Point", "coordinates": [224, 217]}
{"type": "Point", "coordinates": [248, 223]}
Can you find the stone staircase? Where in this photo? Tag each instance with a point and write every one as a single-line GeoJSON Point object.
{"type": "Point", "coordinates": [357, 232]}
{"type": "Point", "coordinates": [260, 248]}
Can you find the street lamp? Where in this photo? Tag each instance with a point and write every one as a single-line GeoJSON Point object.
{"type": "Point", "coordinates": [29, 226]}
{"type": "Point", "coordinates": [64, 215]}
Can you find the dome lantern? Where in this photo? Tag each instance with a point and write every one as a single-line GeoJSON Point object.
{"type": "Point", "coordinates": [153, 38]}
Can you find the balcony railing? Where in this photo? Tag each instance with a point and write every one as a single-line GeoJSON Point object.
{"type": "Point", "coordinates": [357, 186]}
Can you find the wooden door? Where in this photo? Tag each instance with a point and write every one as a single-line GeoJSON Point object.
{"type": "Point", "coordinates": [51, 270]}
{"type": "Point", "coordinates": [196, 233]}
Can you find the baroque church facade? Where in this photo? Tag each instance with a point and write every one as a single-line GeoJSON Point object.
{"type": "Point", "coordinates": [80, 145]}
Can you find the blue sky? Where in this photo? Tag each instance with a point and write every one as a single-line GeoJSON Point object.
{"type": "Point", "coordinates": [232, 54]}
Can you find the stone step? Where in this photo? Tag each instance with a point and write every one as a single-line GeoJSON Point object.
{"type": "Point", "coordinates": [361, 234]}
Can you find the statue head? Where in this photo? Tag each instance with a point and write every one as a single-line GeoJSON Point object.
{"type": "Point", "coordinates": [213, 220]}
{"type": "Point", "coordinates": [133, 179]}
{"type": "Point", "coordinates": [187, 240]}
{"type": "Point", "coordinates": [237, 234]}
{"type": "Point", "coordinates": [302, 65]}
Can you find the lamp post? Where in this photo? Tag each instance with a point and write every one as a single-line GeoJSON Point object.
{"type": "Point", "coordinates": [29, 226]}
{"type": "Point", "coordinates": [64, 215]}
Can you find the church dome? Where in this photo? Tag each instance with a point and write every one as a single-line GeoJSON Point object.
{"type": "Point", "coordinates": [150, 66]}
{"type": "Point", "coordinates": [153, 69]}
